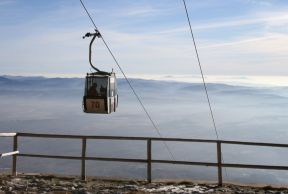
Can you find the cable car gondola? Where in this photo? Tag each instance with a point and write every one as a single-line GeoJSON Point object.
{"type": "Point", "coordinates": [100, 95]}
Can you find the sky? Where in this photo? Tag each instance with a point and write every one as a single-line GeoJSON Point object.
{"type": "Point", "coordinates": [235, 37]}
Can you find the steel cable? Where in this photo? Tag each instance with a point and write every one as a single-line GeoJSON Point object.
{"type": "Point", "coordinates": [203, 79]}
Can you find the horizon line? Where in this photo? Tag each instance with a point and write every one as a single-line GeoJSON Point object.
{"type": "Point", "coordinates": [241, 80]}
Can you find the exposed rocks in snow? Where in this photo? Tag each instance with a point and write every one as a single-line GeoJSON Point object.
{"type": "Point", "coordinates": [71, 185]}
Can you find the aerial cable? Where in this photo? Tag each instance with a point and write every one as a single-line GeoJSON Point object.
{"type": "Point", "coordinates": [129, 83]}
{"type": "Point", "coordinates": [202, 74]}
{"type": "Point", "coordinates": [203, 79]}
{"type": "Point", "coordinates": [89, 15]}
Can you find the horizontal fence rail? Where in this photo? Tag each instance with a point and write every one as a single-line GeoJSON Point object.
{"type": "Point", "coordinates": [149, 160]}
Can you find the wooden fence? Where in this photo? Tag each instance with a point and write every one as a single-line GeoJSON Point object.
{"type": "Point", "coordinates": [149, 160]}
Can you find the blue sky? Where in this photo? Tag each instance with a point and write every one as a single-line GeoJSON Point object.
{"type": "Point", "coordinates": [235, 37]}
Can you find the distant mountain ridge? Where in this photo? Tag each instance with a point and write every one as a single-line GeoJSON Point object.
{"type": "Point", "coordinates": [14, 81]}
{"type": "Point", "coordinates": [38, 83]}
{"type": "Point", "coordinates": [78, 83]}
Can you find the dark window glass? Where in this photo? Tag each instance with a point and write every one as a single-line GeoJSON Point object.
{"type": "Point", "coordinates": [97, 86]}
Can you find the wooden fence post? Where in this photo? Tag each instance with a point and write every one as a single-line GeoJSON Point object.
{"type": "Point", "coordinates": [219, 162]}
{"type": "Point", "coordinates": [83, 160]}
{"type": "Point", "coordinates": [149, 160]}
{"type": "Point", "coordinates": [14, 160]}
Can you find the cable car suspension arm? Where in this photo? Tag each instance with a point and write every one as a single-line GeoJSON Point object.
{"type": "Point", "coordinates": [96, 34]}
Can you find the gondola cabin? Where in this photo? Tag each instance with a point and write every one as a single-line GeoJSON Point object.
{"type": "Point", "coordinates": [100, 95]}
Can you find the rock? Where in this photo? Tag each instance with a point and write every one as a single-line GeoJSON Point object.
{"type": "Point", "coordinates": [35, 180]}
{"type": "Point", "coordinates": [103, 191]}
{"type": "Point", "coordinates": [81, 185]}
{"type": "Point", "coordinates": [20, 187]}
{"type": "Point", "coordinates": [136, 182]}
{"type": "Point", "coordinates": [46, 189]}
{"type": "Point", "coordinates": [151, 185]}
{"type": "Point", "coordinates": [43, 182]}
{"type": "Point", "coordinates": [82, 192]}
{"type": "Point", "coordinates": [16, 180]}
{"type": "Point", "coordinates": [34, 189]}
{"type": "Point", "coordinates": [58, 188]}
{"type": "Point", "coordinates": [8, 183]}
{"type": "Point", "coordinates": [120, 187]}
{"type": "Point", "coordinates": [130, 187]}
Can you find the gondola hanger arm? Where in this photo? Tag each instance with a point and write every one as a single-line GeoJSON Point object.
{"type": "Point", "coordinates": [96, 34]}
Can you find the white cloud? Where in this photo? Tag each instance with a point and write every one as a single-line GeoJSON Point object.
{"type": "Point", "coordinates": [260, 2]}
{"type": "Point", "coordinates": [148, 11]}
{"type": "Point", "coordinates": [267, 18]}
{"type": "Point", "coordinates": [273, 44]}
{"type": "Point", "coordinates": [144, 10]}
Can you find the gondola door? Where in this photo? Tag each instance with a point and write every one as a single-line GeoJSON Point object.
{"type": "Point", "coordinates": [95, 99]}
